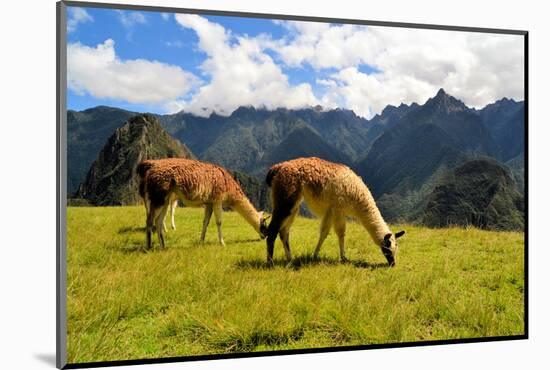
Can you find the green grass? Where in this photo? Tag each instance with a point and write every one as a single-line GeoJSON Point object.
{"type": "Point", "coordinates": [193, 298]}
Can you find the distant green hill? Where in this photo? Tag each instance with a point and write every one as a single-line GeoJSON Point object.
{"type": "Point", "coordinates": [87, 133]}
{"type": "Point", "coordinates": [302, 142]}
{"type": "Point", "coordinates": [505, 121]}
{"type": "Point", "coordinates": [255, 189]}
{"type": "Point", "coordinates": [111, 179]}
{"type": "Point", "coordinates": [517, 166]}
{"type": "Point", "coordinates": [481, 193]}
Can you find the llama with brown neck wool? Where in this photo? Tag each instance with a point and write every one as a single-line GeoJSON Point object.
{"type": "Point", "coordinates": [196, 184]}
{"type": "Point", "coordinates": [331, 191]}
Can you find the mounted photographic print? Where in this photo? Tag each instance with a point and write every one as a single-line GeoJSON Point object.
{"type": "Point", "coordinates": [235, 184]}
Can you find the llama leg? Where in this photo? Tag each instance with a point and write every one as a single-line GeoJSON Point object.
{"type": "Point", "coordinates": [207, 214]}
{"type": "Point", "coordinates": [151, 218]}
{"type": "Point", "coordinates": [281, 218]}
{"type": "Point", "coordinates": [164, 228]}
{"type": "Point", "coordinates": [148, 229]}
{"type": "Point", "coordinates": [340, 230]}
{"type": "Point", "coordinates": [277, 219]}
{"type": "Point", "coordinates": [173, 207]}
{"type": "Point", "coordinates": [160, 224]}
{"type": "Point", "coordinates": [146, 212]}
{"type": "Point", "coordinates": [326, 223]}
{"type": "Point", "coordinates": [164, 220]}
{"type": "Point", "coordinates": [218, 210]}
{"type": "Point", "coordinates": [284, 234]}
{"type": "Point", "coordinates": [147, 205]}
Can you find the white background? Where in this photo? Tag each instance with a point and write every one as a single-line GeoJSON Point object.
{"type": "Point", "coordinates": [27, 182]}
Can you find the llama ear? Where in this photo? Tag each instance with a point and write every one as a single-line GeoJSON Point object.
{"type": "Point", "coordinates": [399, 234]}
{"type": "Point", "coordinates": [387, 237]}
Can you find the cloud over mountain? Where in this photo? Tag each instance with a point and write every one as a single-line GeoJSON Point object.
{"type": "Point", "coordinates": [240, 73]}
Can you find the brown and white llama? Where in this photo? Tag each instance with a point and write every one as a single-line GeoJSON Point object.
{"type": "Point", "coordinates": [331, 191]}
{"type": "Point", "coordinates": [142, 169]}
{"type": "Point", "coordinates": [196, 184]}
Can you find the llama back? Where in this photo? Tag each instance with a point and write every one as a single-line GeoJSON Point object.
{"type": "Point", "coordinates": [313, 172]}
{"type": "Point", "coordinates": [206, 181]}
{"type": "Point", "coordinates": [316, 178]}
{"type": "Point", "coordinates": [194, 179]}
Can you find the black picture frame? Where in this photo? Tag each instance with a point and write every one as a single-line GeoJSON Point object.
{"type": "Point", "coordinates": [61, 189]}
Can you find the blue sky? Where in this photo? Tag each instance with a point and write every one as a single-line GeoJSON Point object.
{"type": "Point", "coordinates": [160, 62]}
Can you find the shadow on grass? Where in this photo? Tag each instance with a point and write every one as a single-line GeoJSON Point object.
{"type": "Point", "coordinates": [368, 265]}
{"type": "Point", "coordinates": [134, 247]}
{"type": "Point", "coordinates": [243, 241]}
{"type": "Point", "coordinates": [131, 229]}
{"type": "Point", "coordinates": [303, 261]}
{"type": "Point", "coordinates": [250, 341]}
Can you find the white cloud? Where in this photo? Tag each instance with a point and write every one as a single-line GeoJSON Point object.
{"type": "Point", "coordinates": [240, 73]}
{"type": "Point", "coordinates": [130, 19]}
{"type": "Point", "coordinates": [165, 16]}
{"type": "Point", "coordinates": [76, 16]}
{"type": "Point", "coordinates": [410, 65]}
{"type": "Point", "coordinates": [99, 72]}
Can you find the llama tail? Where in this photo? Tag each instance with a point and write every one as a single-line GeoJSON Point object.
{"type": "Point", "coordinates": [270, 174]}
{"type": "Point", "coordinates": [141, 171]}
{"type": "Point", "coordinates": [142, 168]}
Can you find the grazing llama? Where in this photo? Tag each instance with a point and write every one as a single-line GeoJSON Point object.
{"type": "Point", "coordinates": [331, 191]}
{"type": "Point", "coordinates": [196, 184]}
{"type": "Point", "coordinates": [141, 170]}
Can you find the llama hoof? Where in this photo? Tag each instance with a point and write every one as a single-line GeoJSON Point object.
{"type": "Point", "coordinates": [270, 263]}
{"type": "Point", "coordinates": [290, 265]}
{"type": "Point", "coordinates": [344, 260]}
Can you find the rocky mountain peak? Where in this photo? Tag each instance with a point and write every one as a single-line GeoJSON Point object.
{"type": "Point", "coordinates": [111, 179]}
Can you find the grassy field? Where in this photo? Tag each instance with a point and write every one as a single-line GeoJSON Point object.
{"type": "Point", "coordinates": [194, 298]}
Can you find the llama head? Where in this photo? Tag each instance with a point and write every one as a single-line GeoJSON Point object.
{"type": "Point", "coordinates": [263, 225]}
{"type": "Point", "coordinates": [389, 247]}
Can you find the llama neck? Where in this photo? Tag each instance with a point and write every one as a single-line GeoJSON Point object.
{"type": "Point", "coordinates": [242, 206]}
{"type": "Point", "coordinates": [370, 217]}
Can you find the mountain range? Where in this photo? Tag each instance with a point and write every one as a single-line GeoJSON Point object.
{"type": "Point", "coordinates": [401, 153]}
